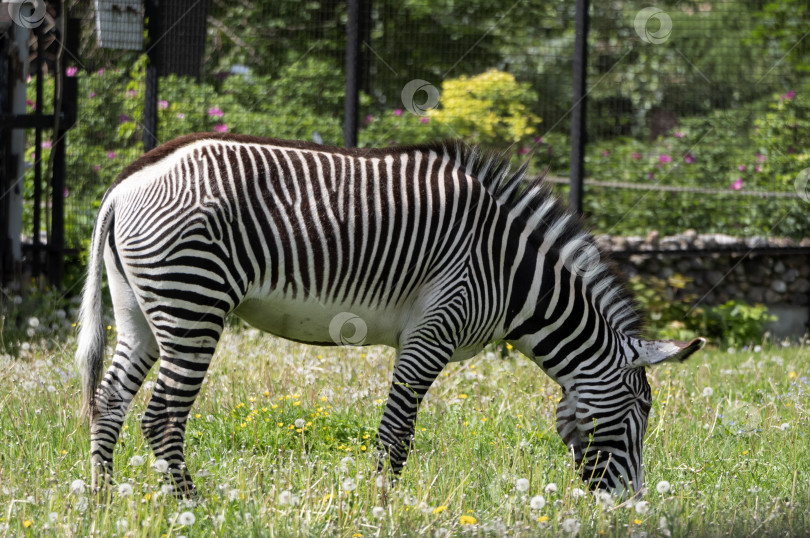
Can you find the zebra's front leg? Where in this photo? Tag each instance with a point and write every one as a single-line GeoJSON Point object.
{"type": "Point", "coordinates": [415, 370]}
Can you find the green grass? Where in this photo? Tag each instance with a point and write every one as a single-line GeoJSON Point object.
{"type": "Point", "coordinates": [486, 423]}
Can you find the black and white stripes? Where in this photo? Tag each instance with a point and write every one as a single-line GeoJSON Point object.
{"type": "Point", "coordinates": [434, 250]}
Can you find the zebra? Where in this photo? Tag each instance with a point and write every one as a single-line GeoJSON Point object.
{"type": "Point", "coordinates": [438, 250]}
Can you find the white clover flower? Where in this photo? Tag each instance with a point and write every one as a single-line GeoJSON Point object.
{"type": "Point", "coordinates": [642, 507]}
{"type": "Point", "coordinates": [125, 490]}
{"type": "Point", "coordinates": [537, 502]}
{"type": "Point", "coordinates": [136, 461]}
{"type": "Point", "coordinates": [349, 484]}
{"type": "Point", "coordinates": [708, 392]}
{"type": "Point", "coordinates": [577, 493]}
{"type": "Point", "coordinates": [378, 512]}
{"type": "Point", "coordinates": [284, 497]}
{"type": "Point", "coordinates": [77, 487]}
{"type": "Point", "coordinates": [300, 423]}
{"type": "Point", "coordinates": [161, 465]}
{"type": "Point", "coordinates": [550, 488]}
{"type": "Point", "coordinates": [33, 322]}
{"type": "Point", "coordinates": [522, 484]}
{"type": "Point", "coordinates": [784, 426]}
{"type": "Point", "coordinates": [663, 487]}
{"type": "Point", "coordinates": [186, 519]}
{"type": "Point", "coordinates": [571, 526]}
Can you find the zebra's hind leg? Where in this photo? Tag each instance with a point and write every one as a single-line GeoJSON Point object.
{"type": "Point", "coordinates": [183, 364]}
{"type": "Point", "coordinates": [135, 353]}
{"type": "Point", "coordinates": [416, 367]}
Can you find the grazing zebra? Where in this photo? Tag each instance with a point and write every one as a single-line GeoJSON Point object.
{"type": "Point", "coordinates": [436, 250]}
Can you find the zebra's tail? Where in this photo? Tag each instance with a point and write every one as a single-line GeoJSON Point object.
{"type": "Point", "coordinates": [92, 339]}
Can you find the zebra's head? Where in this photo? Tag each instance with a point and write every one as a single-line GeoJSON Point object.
{"type": "Point", "coordinates": [602, 416]}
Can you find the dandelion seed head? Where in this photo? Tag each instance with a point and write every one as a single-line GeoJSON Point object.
{"type": "Point", "coordinates": [522, 484]}
{"type": "Point", "coordinates": [300, 423]}
{"type": "Point", "coordinates": [571, 526]}
{"type": "Point", "coordinates": [663, 487]}
{"type": "Point", "coordinates": [349, 484]}
{"type": "Point", "coordinates": [784, 426]}
{"type": "Point", "coordinates": [136, 461]}
{"type": "Point", "coordinates": [577, 493]}
{"type": "Point", "coordinates": [708, 392]}
{"type": "Point", "coordinates": [161, 465]}
{"type": "Point", "coordinates": [186, 519]}
{"type": "Point", "coordinates": [537, 502]}
{"type": "Point", "coordinates": [284, 497]}
{"type": "Point", "coordinates": [125, 489]}
{"type": "Point", "coordinates": [642, 507]}
{"type": "Point", "coordinates": [550, 488]}
{"type": "Point", "coordinates": [378, 512]}
{"type": "Point", "coordinates": [77, 487]}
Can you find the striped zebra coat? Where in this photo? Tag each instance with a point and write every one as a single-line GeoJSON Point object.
{"type": "Point", "coordinates": [433, 250]}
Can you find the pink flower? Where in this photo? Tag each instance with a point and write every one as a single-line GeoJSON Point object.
{"type": "Point", "coordinates": [688, 158]}
{"type": "Point", "coordinates": [163, 104]}
{"type": "Point", "coordinates": [665, 159]}
{"type": "Point", "coordinates": [132, 93]}
{"type": "Point", "coordinates": [67, 192]}
{"type": "Point", "coordinates": [92, 94]}
{"type": "Point", "coordinates": [123, 118]}
{"type": "Point", "coordinates": [636, 156]}
{"type": "Point", "coordinates": [221, 128]}
{"type": "Point", "coordinates": [71, 71]}
{"type": "Point", "coordinates": [605, 153]}
{"type": "Point", "coordinates": [46, 144]}
{"type": "Point", "coordinates": [425, 119]}
{"type": "Point", "coordinates": [788, 96]}
{"type": "Point", "coordinates": [30, 103]}
{"type": "Point", "coordinates": [180, 116]}
{"type": "Point", "coordinates": [111, 155]}
{"type": "Point", "coordinates": [677, 134]}
{"type": "Point", "coordinates": [96, 168]}
{"type": "Point", "coordinates": [737, 185]}
{"type": "Point", "coordinates": [397, 112]}
{"type": "Point", "coordinates": [368, 119]}
{"type": "Point", "coordinates": [761, 158]}
{"type": "Point", "coordinates": [523, 150]}
{"type": "Point", "coordinates": [741, 167]}
{"type": "Point", "coordinates": [538, 140]}
{"type": "Point", "coordinates": [215, 112]}
{"type": "Point", "coordinates": [100, 72]}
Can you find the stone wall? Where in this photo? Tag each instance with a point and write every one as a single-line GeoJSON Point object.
{"type": "Point", "coordinates": [780, 280]}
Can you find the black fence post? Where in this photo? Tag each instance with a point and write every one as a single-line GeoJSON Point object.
{"type": "Point", "coordinates": [150, 103]}
{"type": "Point", "coordinates": [578, 132]}
{"type": "Point", "coordinates": [352, 73]}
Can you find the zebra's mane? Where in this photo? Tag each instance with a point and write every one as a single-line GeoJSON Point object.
{"type": "Point", "coordinates": [534, 204]}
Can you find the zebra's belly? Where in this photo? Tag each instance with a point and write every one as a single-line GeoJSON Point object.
{"type": "Point", "coordinates": [311, 322]}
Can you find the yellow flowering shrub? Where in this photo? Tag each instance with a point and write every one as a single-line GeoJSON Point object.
{"type": "Point", "coordinates": [489, 108]}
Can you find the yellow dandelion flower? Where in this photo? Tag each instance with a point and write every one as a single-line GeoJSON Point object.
{"type": "Point", "coordinates": [467, 520]}
{"type": "Point", "coordinates": [27, 523]}
{"type": "Point", "coordinates": [264, 410]}
{"type": "Point", "coordinates": [542, 519]}
{"type": "Point", "coordinates": [363, 448]}
{"type": "Point", "coordinates": [243, 425]}
{"type": "Point", "coordinates": [296, 403]}
{"type": "Point", "coordinates": [64, 452]}
{"type": "Point", "coordinates": [197, 415]}
{"type": "Point", "coordinates": [109, 327]}
{"type": "Point", "coordinates": [280, 424]}
{"type": "Point", "coordinates": [466, 423]}
{"type": "Point", "coordinates": [439, 509]}
{"type": "Point", "coordinates": [126, 427]}
{"type": "Point", "coordinates": [462, 396]}
{"type": "Point", "coordinates": [745, 452]}
{"type": "Point", "coordinates": [792, 375]}
{"type": "Point", "coordinates": [74, 325]}
{"type": "Point", "coordinates": [147, 497]}
{"type": "Point", "coordinates": [274, 406]}
{"type": "Point", "coordinates": [356, 534]}
{"type": "Point", "coordinates": [484, 419]}
{"type": "Point", "coordinates": [267, 393]}
{"type": "Point", "coordinates": [637, 521]}
{"type": "Point", "coordinates": [298, 430]}
{"type": "Point", "coordinates": [323, 398]}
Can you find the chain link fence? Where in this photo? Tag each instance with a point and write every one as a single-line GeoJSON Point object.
{"type": "Point", "coordinates": [698, 113]}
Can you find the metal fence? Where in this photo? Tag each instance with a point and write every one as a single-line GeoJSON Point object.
{"type": "Point", "coordinates": [696, 113]}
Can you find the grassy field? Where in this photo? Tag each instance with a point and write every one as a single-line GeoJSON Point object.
{"type": "Point", "coordinates": [728, 432]}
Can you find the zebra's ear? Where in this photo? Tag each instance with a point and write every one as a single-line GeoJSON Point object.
{"type": "Point", "coordinates": [657, 351]}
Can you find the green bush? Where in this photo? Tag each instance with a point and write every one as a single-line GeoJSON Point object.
{"type": "Point", "coordinates": [671, 314]}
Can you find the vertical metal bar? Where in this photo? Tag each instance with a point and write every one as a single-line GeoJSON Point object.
{"type": "Point", "coordinates": [352, 73]}
{"type": "Point", "coordinates": [578, 132]}
{"type": "Point", "coordinates": [150, 126]}
{"type": "Point", "coordinates": [37, 250]}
